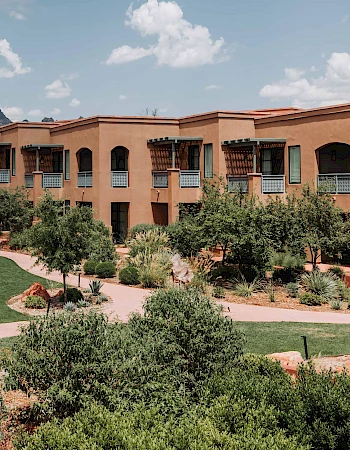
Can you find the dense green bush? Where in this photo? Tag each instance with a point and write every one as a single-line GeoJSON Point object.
{"type": "Point", "coordinates": [73, 295]}
{"type": "Point", "coordinates": [35, 302]}
{"type": "Point", "coordinates": [142, 228]}
{"type": "Point", "coordinates": [310, 299]}
{"type": "Point", "coordinates": [129, 275]}
{"type": "Point", "coordinates": [226, 272]}
{"type": "Point", "coordinates": [17, 241]}
{"type": "Point", "coordinates": [184, 237]}
{"type": "Point", "coordinates": [292, 289]}
{"type": "Point", "coordinates": [105, 269]}
{"type": "Point", "coordinates": [219, 292]}
{"type": "Point", "coordinates": [337, 271]}
{"type": "Point", "coordinates": [90, 267]}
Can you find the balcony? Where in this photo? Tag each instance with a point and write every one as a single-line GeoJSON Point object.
{"type": "Point", "coordinates": [4, 175]}
{"type": "Point", "coordinates": [190, 178]}
{"type": "Point", "coordinates": [335, 183]}
{"type": "Point", "coordinates": [52, 180]}
{"type": "Point", "coordinates": [29, 180]}
{"type": "Point", "coordinates": [160, 179]}
{"type": "Point", "coordinates": [237, 184]}
{"type": "Point", "coordinates": [273, 184]}
{"type": "Point", "coordinates": [84, 179]}
{"type": "Point", "coordinates": [119, 179]}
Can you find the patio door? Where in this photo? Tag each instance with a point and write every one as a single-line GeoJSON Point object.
{"type": "Point", "coordinates": [57, 162]}
{"type": "Point", "coordinates": [193, 157]}
{"type": "Point", "coordinates": [119, 220]}
{"type": "Point", "coordinates": [272, 161]}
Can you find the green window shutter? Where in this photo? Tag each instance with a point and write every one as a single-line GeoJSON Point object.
{"type": "Point", "coordinates": [294, 165]}
{"type": "Point", "coordinates": [13, 162]}
{"type": "Point", "coordinates": [208, 161]}
{"type": "Point", "coordinates": [66, 165]}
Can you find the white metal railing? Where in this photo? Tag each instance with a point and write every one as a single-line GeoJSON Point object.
{"type": "Point", "coordinates": [190, 178]}
{"type": "Point", "coordinates": [84, 179]}
{"type": "Point", "coordinates": [52, 180]}
{"type": "Point", "coordinates": [120, 179]}
{"type": "Point", "coordinates": [273, 184]}
{"type": "Point", "coordinates": [237, 184]}
{"type": "Point", "coordinates": [29, 180]}
{"type": "Point", "coordinates": [160, 179]}
{"type": "Point", "coordinates": [4, 175]}
{"type": "Point", "coordinates": [335, 183]}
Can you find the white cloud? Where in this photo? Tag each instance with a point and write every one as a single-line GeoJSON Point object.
{"type": "Point", "coordinates": [306, 91]}
{"type": "Point", "coordinates": [57, 89]}
{"type": "Point", "coordinates": [75, 102]}
{"type": "Point", "coordinates": [35, 113]}
{"type": "Point", "coordinates": [13, 60]}
{"type": "Point", "coordinates": [213, 87]}
{"type": "Point", "coordinates": [122, 97]}
{"type": "Point", "coordinates": [14, 113]}
{"type": "Point", "coordinates": [179, 42]}
{"type": "Point", "coordinates": [17, 15]}
{"type": "Point", "coordinates": [55, 111]}
{"type": "Point", "coordinates": [71, 76]}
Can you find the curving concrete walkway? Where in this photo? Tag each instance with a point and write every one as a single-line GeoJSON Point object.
{"type": "Point", "coordinates": [128, 299]}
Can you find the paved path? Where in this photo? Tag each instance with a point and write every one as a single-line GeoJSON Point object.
{"type": "Point", "coordinates": [128, 299]}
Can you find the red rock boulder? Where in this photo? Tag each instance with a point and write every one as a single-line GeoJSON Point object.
{"type": "Point", "coordinates": [36, 289]}
{"type": "Point", "coordinates": [289, 360]}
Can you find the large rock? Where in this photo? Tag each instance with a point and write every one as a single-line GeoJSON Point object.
{"type": "Point", "coordinates": [36, 289]}
{"type": "Point", "coordinates": [289, 360]}
{"type": "Point", "coordinates": [181, 271]}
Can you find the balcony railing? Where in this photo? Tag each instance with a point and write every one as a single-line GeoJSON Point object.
{"type": "Point", "coordinates": [120, 179]}
{"type": "Point", "coordinates": [273, 184]}
{"type": "Point", "coordinates": [190, 179]}
{"type": "Point", "coordinates": [237, 184]}
{"type": "Point", "coordinates": [160, 179]}
{"type": "Point", "coordinates": [84, 179]}
{"type": "Point", "coordinates": [335, 183]}
{"type": "Point", "coordinates": [29, 180]}
{"type": "Point", "coordinates": [4, 175]}
{"type": "Point", "coordinates": [52, 180]}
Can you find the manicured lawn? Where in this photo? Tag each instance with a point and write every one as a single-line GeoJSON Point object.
{"type": "Point", "coordinates": [271, 337]}
{"type": "Point", "coordinates": [13, 281]}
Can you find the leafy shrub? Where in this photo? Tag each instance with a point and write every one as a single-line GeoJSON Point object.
{"type": "Point", "coordinates": [226, 272]}
{"type": "Point", "coordinates": [285, 276]}
{"type": "Point", "coordinates": [244, 288]}
{"type": "Point", "coordinates": [83, 304]}
{"type": "Point", "coordinates": [199, 282]}
{"type": "Point", "coordinates": [219, 292]}
{"type": "Point", "coordinates": [287, 260]}
{"type": "Point", "coordinates": [103, 298]}
{"type": "Point", "coordinates": [336, 304]}
{"type": "Point", "coordinates": [322, 284]}
{"type": "Point", "coordinates": [106, 269]}
{"type": "Point", "coordinates": [142, 228]}
{"type": "Point", "coordinates": [18, 241]}
{"type": "Point", "coordinates": [35, 302]}
{"type": "Point", "coordinates": [153, 268]}
{"type": "Point", "coordinates": [129, 275]}
{"type": "Point", "coordinates": [344, 291]}
{"type": "Point", "coordinates": [310, 299]}
{"type": "Point", "coordinates": [73, 295]}
{"type": "Point", "coordinates": [270, 291]}
{"type": "Point", "coordinates": [90, 267]}
{"type": "Point", "coordinates": [70, 306]}
{"type": "Point", "coordinates": [337, 271]}
{"type": "Point", "coordinates": [95, 287]}
{"type": "Point", "coordinates": [292, 289]}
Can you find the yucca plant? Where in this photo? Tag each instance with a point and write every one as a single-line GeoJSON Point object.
{"type": "Point", "coordinates": [245, 288]}
{"type": "Point", "coordinates": [95, 287]}
{"type": "Point", "coordinates": [70, 306]}
{"type": "Point", "coordinates": [325, 285]}
{"type": "Point", "coordinates": [336, 304]}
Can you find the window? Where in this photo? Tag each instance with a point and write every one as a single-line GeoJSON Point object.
{"type": "Point", "coordinates": [66, 165]}
{"type": "Point", "coordinates": [193, 157]}
{"type": "Point", "coordinates": [266, 161]}
{"type": "Point", "coordinates": [66, 206]}
{"type": "Point", "coordinates": [294, 165]}
{"type": "Point", "coordinates": [13, 162]}
{"type": "Point", "coordinates": [208, 161]}
{"type": "Point", "coordinates": [57, 162]}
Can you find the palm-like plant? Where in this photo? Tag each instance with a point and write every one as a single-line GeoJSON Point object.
{"type": "Point", "coordinates": [95, 287]}
{"type": "Point", "coordinates": [326, 285]}
{"type": "Point", "coordinates": [245, 288]}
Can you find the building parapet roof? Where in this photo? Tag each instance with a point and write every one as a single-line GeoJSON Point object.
{"type": "Point", "coordinates": [174, 139]}
{"type": "Point", "coordinates": [39, 146]}
{"type": "Point", "coordinates": [5, 144]}
{"type": "Point", "coordinates": [253, 141]}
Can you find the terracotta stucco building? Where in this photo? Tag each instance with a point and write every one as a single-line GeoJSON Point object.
{"type": "Point", "coordinates": [137, 169]}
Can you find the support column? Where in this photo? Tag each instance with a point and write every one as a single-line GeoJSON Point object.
{"type": "Point", "coordinates": [173, 194]}
{"type": "Point", "coordinates": [37, 160]}
{"type": "Point", "coordinates": [254, 184]}
{"type": "Point", "coordinates": [173, 154]}
{"type": "Point", "coordinates": [254, 158]}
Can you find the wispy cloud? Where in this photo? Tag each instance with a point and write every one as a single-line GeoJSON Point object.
{"type": "Point", "coordinates": [14, 113]}
{"type": "Point", "coordinates": [14, 62]}
{"type": "Point", "coordinates": [213, 87]}
{"type": "Point", "coordinates": [17, 15]}
{"type": "Point", "coordinates": [75, 102]}
{"type": "Point", "coordinates": [122, 97]}
{"type": "Point", "coordinates": [57, 89]}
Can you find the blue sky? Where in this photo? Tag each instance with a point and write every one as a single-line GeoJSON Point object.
{"type": "Point", "coordinates": [85, 57]}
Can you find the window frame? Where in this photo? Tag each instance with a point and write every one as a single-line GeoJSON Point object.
{"type": "Point", "coordinates": [205, 148]}
{"type": "Point", "coordinates": [67, 165]}
{"type": "Point", "coordinates": [13, 161]}
{"type": "Point", "coordinates": [290, 147]}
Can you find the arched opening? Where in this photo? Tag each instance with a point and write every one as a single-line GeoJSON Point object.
{"type": "Point", "coordinates": [85, 160]}
{"type": "Point", "coordinates": [333, 158]}
{"type": "Point", "coordinates": [119, 159]}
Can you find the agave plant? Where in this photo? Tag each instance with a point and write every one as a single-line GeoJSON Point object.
{"type": "Point", "coordinates": [326, 285]}
{"type": "Point", "coordinates": [70, 306]}
{"type": "Point", "coordinates": [95, 287]}
{"type": "Point", "coordinates": [245, 288]}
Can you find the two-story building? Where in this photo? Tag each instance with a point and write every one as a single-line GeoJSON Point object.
{"type": "Point", "coordinates": [138, 169]}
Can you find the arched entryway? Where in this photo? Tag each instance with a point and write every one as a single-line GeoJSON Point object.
{"type": "Point", "coordinates": [84, 156]}
{"type": "Point", "coordinates": [119, 167]}
{"type": "Point", "coordinates": [333, 162]}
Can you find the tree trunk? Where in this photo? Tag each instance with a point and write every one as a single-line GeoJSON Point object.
{"type": "Point", "coordinates": [64, 288]}
{"type": "Point", "coordinates": [48, 307]}
{"type": "Point", "coordinates": [224, 250]}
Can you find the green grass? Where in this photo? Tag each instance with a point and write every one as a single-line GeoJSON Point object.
{"type": "Point", "coordinates": [271, 337]}
{"type": "Point", "coordinates": [13, 281]}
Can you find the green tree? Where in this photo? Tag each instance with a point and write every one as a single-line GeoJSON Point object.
{"type": "Point", "coordinates": [16, 211]}
{"type": "Point", "coordinates": [61, 240]}
{"type": "Point", "coordinates": [321, 225]}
